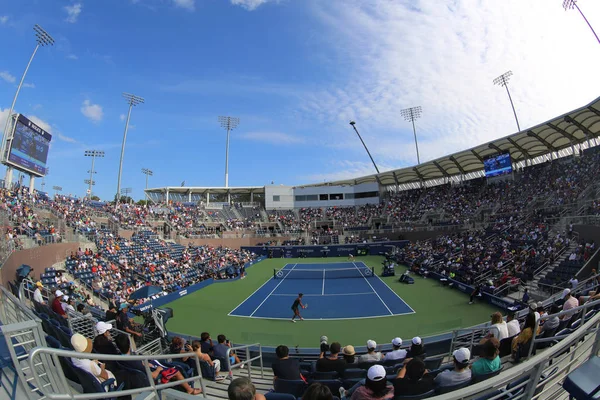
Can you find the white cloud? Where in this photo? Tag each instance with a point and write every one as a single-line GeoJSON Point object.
{"type": "Point", "coordinates": [92, 111]}
{"type": "Point", "coordinates": [72, 57]}
{"type": "Point", "coordinates": [73, 12]}
{"type": "Point", "coordinates": [3, 19]}
{"type": "Point", "coordinates": [66, 138]}
{"type": "Point", "coordinates": [277, 138]}
{"type": "Point", "coordinates": [122, 117]}
{"type": "Point", "coordinates": [187, 4]}
{"type": "Point", "coordinates": [29, 85]}
{"type": "Point", "coordinates": [7, 77]}
{"type": "Point", "coordinates": [444, 57]}
{"type": "Point", "coordinates": [249, 5]}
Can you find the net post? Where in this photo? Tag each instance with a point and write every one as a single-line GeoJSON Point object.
{"type": "Point", "coordinates": [274, 273]}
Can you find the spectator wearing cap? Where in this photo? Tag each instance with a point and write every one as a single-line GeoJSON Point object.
{"type": "Point", "coordinates": [489, 359]}
{"type": "Point", "coordinates": [103, 341]}
{"type": "Point", "coordinates": [570, 303]}
{"type": "Point", "coordinates": [81, 344]}
{"type": "Point", "coordinates": [349, 354]}
{"type": "Point", "coordinates": [67, 304]}
{"type": "Point", "coordinates": [331, 362]}
{"type": "Point", "coordinates": [417, 349]}
{"type": "Point", "coordinates": [285, 367]}
{"type": "Point", "coordinates": [375, 386]}
{"type": "Point", "coordinates": [461, 372]}
{"type": "Point", "coordinates": [372, 355]}
{"type": "Point", "coordinates": [124, 323]}
{"type": "Point", "coordinates": [243, 389]}
{"type": "Point", "coordinates": [413, 379]}
{"type": "Point", "coordinates": [37, 293]}
{"type": "Point", "coordinates": [397, 353]}
{"type": "Point", "coordinates": [512, 325]}
{"type": "Point", "coordinates": [498, 330]}
{"type": "Point", "coordinates": [57, 305]}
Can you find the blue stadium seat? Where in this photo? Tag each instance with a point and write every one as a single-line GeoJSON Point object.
{"type": "Point", "coordinates": [583, 383]}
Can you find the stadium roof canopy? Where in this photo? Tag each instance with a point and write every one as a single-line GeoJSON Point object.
{"type": "Point", "coordinates": [552, 136]}
{"type": "Point", "coordinates": [214, 190]}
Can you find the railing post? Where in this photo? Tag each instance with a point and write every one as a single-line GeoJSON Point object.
{"type": "Point", "coordinates": [262, 369]}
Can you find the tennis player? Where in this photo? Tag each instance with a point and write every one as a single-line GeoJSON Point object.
{"type": "Point", "coordinates": [296, 307]}
{"type": "Point", "coordinates": [350, 257]}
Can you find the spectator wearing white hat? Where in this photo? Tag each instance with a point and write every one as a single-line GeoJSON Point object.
{"type": "Point", "coordinates": [57, 305]}
{"type": "Point", "coordinates": [375, 386]}
{"type": "Point", "coordinates": [81, 344]}
{"type": "Point", "coordinates": [570, 303]}
{"type": "Point", "coordinates": [67, 304]}
{"type": "Point", "coordinates": [397, 353]}
{"type": "Point", "coordinates": [103, 343]}
{"type": "Point", "coordinates": [417, 348]}
{"type": "Point", "coordinates": [372, 355]}
{"type": "Point", "coordinates": [461, 372]}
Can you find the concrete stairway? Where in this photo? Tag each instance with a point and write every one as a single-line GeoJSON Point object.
{"type": "Point", "coordinates": [219, 389]}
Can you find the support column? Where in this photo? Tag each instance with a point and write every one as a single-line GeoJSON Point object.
{"type": "Point", "coordinates": [207, 198]}
{"type": "Point", "coordinates": [31, 183]}
{"type": "Point", "coordinates": [251, 197]}
{"type": "Point", "coordinates": [189, 196]}
{"type": "Point", "coordinates": [167, 196]}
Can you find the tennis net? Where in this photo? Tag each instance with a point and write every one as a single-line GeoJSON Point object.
{"type": "Point", "coordinates": [321, 273]}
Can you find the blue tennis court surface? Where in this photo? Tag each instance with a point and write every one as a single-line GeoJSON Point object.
{"type": "Point", "coordinates": [346, 290]}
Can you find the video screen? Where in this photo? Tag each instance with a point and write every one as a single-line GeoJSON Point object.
{"type": "Point", "coordinates": [497, 165]}
{"type": "Point", "coordinates": [29, 148]}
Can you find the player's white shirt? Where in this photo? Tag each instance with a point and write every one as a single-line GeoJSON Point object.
{"type": "Point", "coordinates": [396, 355]}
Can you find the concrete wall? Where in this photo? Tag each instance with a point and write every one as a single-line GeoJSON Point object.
{"type": "Point", "coordinates": [38, 258]}
{"type": "Point", "coordinates": [287, 196]}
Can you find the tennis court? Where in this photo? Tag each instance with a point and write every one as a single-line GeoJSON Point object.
{"type": "Point", "coordinates": [333, 291]}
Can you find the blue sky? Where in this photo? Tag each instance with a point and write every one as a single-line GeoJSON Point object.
{"type": "Point", "coordinates": [294, 72]}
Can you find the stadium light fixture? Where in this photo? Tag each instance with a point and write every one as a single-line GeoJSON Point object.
{"type": "Point", "coordinates": [365, 146]}
{"type": "Point", "coordinates": [148, 173]}
{"type": "Point", "coordinates": [42, 39]}
{"type": "Point", "coordinates": [133, 101]}
{"type": "Point", "coordinates": [126, 192]}
{"type": "Point", "coordinates": [56, 190]}
{"type": "Point", "coordinates": [569, 5]}
{"type": "Point", "coordinates": [502, 80]}
{"type": "Point", "coordinates": [228, 123]}
{"type": "Point", "coordinates": [410, 114]}
{"type": "Point", "coordinates": [93, 154]}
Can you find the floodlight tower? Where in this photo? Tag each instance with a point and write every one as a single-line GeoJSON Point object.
{"type": "Point", "coordinates": [132, 100]}
{"type": "Point", "coordinates": [410, 114]}
{"type": "Point", "coordinates": [43, 39]}
{"type": "Point", "coordinates": [502, 80]}
{"type": "Point", "coordinates": [93, 154]}
{"type": "Point", "coordinates": [228, 123]}
{"type": "Point", "coordinates": [365, 146]}
{"type": "Point", "coordinates": [126, 192]}
{"type": "Point", "coordinates": [148, 173]}
{"type": "Point", "coordinates": [56, 190]}
{"type": "Point", "coordinates": [570, 4]}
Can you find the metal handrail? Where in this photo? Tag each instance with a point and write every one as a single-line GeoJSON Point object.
{"type": "Point", "coordinates": [248, 361]}
{"type": "Point", "coordinates": [67, 395]}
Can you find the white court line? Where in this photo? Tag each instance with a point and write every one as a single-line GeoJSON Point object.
{"type": "Point", "coordinates": [397, 295]}
{"type": "Point", "coordinates": [373, 289]}
{"type": "Point", "coordinates": [252, 294]}
{"type": "Point", "coordinates": [283, 279]}
{"type": "Point", "coordinates": [322, 319]}
{"type": "Point", "coordinates": [320, 295]}
{"type": "Point", "coordinates": [323, 289]}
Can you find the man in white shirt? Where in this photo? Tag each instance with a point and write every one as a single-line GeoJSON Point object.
{"type": "Point", "coordinates": [67, 306]}
{"type": "Point", "coordinates": [372, 355]}
{"type": "Point", "coordinates": [574, 282]}
{"type": "Point", "coordinates": [512, 325]}
{"type": "Point", "coordinates": [397, 353]}
{"type": "Point", "coordinates": [37, 294]}
{"type": "Point", "coordinates": [570, 302]}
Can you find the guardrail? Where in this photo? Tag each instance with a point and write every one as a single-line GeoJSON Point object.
{"type": "Point", "coordinates": [249, 359]}
{"type": "Point", "coordinates": [540, 376]}
{"type": "Point", "coordinates": [54, 385]}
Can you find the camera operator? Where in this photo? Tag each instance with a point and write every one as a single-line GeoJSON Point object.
{"type": "Point", "coordinates": [124, 323]}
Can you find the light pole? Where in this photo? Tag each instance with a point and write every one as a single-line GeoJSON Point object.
{"type": "Point", "coordinates": [90, 183]}
{"type": "Point", "coordinates": [148, 173]}
{"type": "Point", "coordinates": [132, 100]}
{"type": "Point", "coordinates": [56, 190]}
{"type": "Point", "coordinates": [365, 146]}
{"type": "Point", "coordinates": [502, 80]}
{"type": "Point", "coordinates": [126, 192]}
{"type": "Point", "coordinates": [44, 178]}
{"type": "Point", "coordinates": [228, 123]}
{"type": "Point", "coordinates": [93, 154]}
{"type": "Point", "coordinates": [410, 114]}
{"type": "Point", "coordinates": [43, 39]}
{"type": "Point", "coordinates": [570, 4]}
